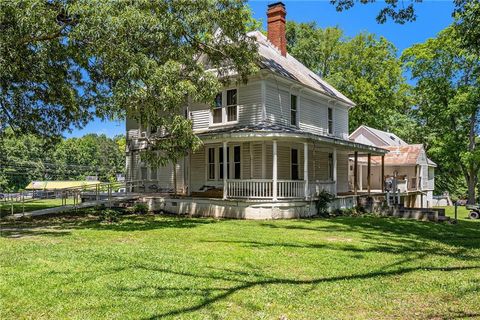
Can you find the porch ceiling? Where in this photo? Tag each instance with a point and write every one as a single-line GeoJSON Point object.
{"type": "Point", "coordinates": [263, 132]}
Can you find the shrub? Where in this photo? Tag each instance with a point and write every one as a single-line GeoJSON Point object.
{"type": "Point", "coordinates": [109, 215]}
{"type": "Point", "coordinates": [324, 199]}
{"type": "Point", "coordinates": [140, 208]}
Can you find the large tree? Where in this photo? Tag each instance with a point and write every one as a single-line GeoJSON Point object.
{"type": "Point", "coordinates": [447, 95]}
{"type": "Point", "coordinates": [64, 61]}
{"type": "Point", "coordinates": [365, 68]}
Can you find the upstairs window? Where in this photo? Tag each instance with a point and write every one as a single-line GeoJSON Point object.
{"type": "Point", "coordinates": [225, 107]}
{"type": "Point", "coordinates": [293, 110]}
{"type": "Point", "coordinates": [232, 105]}
{"type": "Point", "coordinates": [330, 121]}
{"type": "Point", "coordinates": [217, 109]}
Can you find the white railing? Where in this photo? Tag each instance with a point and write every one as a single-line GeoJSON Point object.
{"type": "Point", "coordinates": [290, 189]}
{"type": "Point", "coordinates": [263, 189]}
{"type": "Point", "coordinates": [253, 188]}
{"type": "Point", "coordinates": [317, 186]}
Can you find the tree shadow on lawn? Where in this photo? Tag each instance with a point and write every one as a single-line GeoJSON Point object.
{"type": "Point", "coordinates": [465, 234]}
{"type": "Point", "coordinates": [127, 223]}
{"type": "Point", "coordinates": [215, 294]}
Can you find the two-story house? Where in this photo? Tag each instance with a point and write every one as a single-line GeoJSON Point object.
{"type": "Point", "coordinates": [269, 146]}
{"type": "Point", "coordinates": [406, 165]}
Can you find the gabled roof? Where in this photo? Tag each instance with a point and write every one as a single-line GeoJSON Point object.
{"type": "Point", "coordinates": [291, 68]}
{"type": "Point", "coordinates": [389, 139]}
{"type": "Point", "coordinates": [403, 155]}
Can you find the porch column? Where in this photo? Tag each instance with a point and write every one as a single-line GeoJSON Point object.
{"type": "Point", "coordinates": [334, 159]}
{"type": "Point", "coordinates": [274, 170]}
{"type": "Point", "coordinates": [360, 178]}
{"type": "Point", "coordinates": [383, 173]}
{"type": "Point", "coordinates": [305, 167]}
{"type": "Point", "coordinates": [355, 172]}
{"type": "Point", "coordinates": [224, 170]}
{"type": "Point", "coordinates": [369, 171]}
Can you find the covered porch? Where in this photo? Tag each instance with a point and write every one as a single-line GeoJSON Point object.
{"type": "Point", "coordinates": [271, 166]}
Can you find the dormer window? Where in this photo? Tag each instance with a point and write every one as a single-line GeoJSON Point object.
{"type": "Point", "coordinates": [293, 110]}
{"type": "Point", "coordinates": [225, 108]}
{"type": "Point", "coordinates": [330, 121]}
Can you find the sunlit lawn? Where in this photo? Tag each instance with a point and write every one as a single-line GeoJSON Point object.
{"type": "Point", "coordinates": [30, 205]}
{"type": "Point", "coordinates": [148, 267]}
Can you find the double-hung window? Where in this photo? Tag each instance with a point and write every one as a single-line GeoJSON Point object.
{"type": "Point", "coordinates": [211, 163]}
{"type": "Point", "coordinates": [294, 163]}
{"type": "Point", "coordinates": [293, 110]}
{"type": "Point", "coordinates": [330, 166]}
{"type": "Point", "coordinates": [225, 107]}
{"type": "Point", "coordinates": [330, 121]}
{"type": "Point", "coordinates": [217, 113]}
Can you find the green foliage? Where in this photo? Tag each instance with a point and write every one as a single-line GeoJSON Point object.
{"type": "Point", "coordinates": [109, 215]}
{"type": "Point", "coordinates": [391, 10]}
{"type": "Point", "coordinates": [447, 96]}
{"type": "Point", "coordinates": [324, 199]}
{"type": "Point", "coordinates": [26, 157]}
{"type": "Point", "coordinates": [140, 208]}
{"type": "Point", "coordinates": [365, 68]}
{"type": "Point", "coordinates": [62, 62]}
{"type": "Point", "coordinates": [467, 20]}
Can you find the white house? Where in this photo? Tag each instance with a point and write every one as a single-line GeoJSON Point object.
{"type": "Point", "coordinates": [269, 146]}
{"type": "Point", "coordinates": [408, 164]}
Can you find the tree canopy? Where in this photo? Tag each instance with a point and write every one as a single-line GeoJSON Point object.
{"type": "Point", "coordinates": [63, 62]}
{"type": "Point", "coordinates": [447, 98]}
{"type": "Point", "coordinates": [365, 68]}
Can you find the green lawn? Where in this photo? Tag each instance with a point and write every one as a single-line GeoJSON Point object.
{"type": "Point", "coordinates": [152, 267]}
{"type": "Point", "coordinates": [30, 205]}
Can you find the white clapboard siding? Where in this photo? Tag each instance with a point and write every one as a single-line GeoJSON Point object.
{"type": "Point", "coordinates": [340, 122]}
{"type": "Point", "coordinates": [342, 172]}
{"type": "Point", "coordinates": [197, 169]}
{"type": "Point", "coordinates": [250, 103]}
{"type": "Point", "coordinates": [257, 160]}
{"type": "Point", "coordinates": [277, 104]}
{"type": "Point", "coordinates": [313, 115]}
{"type": "Point", "coordinates": [245, 160]}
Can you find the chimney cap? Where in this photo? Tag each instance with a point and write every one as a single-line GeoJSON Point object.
{"type": "Point", "coordinates": [278, 3]}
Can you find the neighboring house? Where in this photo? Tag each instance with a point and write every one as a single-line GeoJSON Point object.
{"type": "Point", "coordinates": [269, 145]}
{"type": "Point", "coordinates": [408, 163]}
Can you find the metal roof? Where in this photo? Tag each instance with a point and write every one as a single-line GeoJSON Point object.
{"type": "Point", "coordinates": [56, 185]}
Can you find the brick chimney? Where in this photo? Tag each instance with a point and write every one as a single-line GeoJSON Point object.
{"type": "Point", "coordinates": [276, 26]}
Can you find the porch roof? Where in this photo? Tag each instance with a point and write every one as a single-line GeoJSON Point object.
{"type": "Point", "coordinates": [263, 130]}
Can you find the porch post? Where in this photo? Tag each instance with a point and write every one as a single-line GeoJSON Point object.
{"type": "Point", "coordinates": [360, 178]}
{"type": "Point", "coordinates": [274, 170]}
{"type": "Point", "coordinates": [383, 173]}
{"type": "Point", "coordinates": [334, 156]}
{"type": "Point", "coordinates": [369, 169]}
{"type": "Point", "coordinates": [305, 167]}
{"type": "Point", "coordinates": [355, 173]}
{"type": "Point", "coordinates": [225, 170]}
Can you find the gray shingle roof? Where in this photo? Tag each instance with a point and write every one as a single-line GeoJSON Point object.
{"type": "Point", "coordinates": [291, 68]}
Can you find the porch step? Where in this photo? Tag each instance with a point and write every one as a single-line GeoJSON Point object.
{"type": "Point", "coordinates": [419, 214]}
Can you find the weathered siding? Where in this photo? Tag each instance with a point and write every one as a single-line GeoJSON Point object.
{"type": "Point", "coordinates": [342, 172]}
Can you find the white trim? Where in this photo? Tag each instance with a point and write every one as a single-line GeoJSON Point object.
{"type": "Point", "coordinates": [274, 170]}
{"type": "Point", "coordinates": [224, 108]}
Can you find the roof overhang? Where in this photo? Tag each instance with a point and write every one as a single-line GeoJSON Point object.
{"type": "Point", "coordinates": [290, 136]}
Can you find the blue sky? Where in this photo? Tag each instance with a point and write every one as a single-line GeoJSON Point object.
{"type": "Point", "coordinates": [432, 16]}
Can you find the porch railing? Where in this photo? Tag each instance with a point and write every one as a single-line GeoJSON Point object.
{"type": "Point", "coordinates": [252, 189]}
{"type": "Point", "coordinates": [317, 186]}
{"type": "Point", "coordinates": [290, 189]}
{"type": "Point", "coordinates": [263, 189]}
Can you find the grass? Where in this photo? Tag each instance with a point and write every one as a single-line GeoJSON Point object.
{"type": "Point", "coordinates": [462, 212]}
{"type": "Point", "coordinates": [30, 205]}
{"type": "Point", "coordinates": [155, 267]}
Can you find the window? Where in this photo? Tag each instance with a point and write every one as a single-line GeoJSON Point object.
{"type": "Point", "coordinates": [330, 166]}
{"type": "Point", "coordinates": [153, 173]}
{"type": "Point", "coordinates": [143, 173]}
{"type": "Point", "coordinates": [217, 109]}
{"type": "Point", "coordinates": [236, 163]}
{"type": "Point", "coordinates": [211, 163]}
{"type": "Point", "coordinates": [330, 120]}
{"type": "Point", "coordinates": [232, 105]}
{"type": "Point", "coordinates": [294, 162]}
{"type": "Point", "coordinates": [225, 107]}
{"type": "Point", "coordinates": [293, 110]}
{"type": "Point", "coordinates": [220, 162]}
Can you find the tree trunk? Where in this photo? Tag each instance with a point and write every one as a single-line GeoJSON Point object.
{"type": "Point", "coordinates": [472, 168]}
